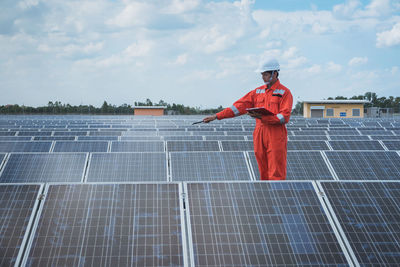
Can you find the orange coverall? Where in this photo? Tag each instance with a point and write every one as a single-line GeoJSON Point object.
{"type": "Point", "coordinates": [270, 133]}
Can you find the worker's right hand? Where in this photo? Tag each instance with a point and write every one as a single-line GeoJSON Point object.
{"type": "Point", "coordinates": [209, 118]}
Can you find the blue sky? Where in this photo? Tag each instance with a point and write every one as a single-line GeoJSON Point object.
{"type": "Point", "coordinates": [194, 52]}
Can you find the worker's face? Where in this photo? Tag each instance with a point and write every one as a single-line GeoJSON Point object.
{"type": "Point", "coordinates": [267, 75]}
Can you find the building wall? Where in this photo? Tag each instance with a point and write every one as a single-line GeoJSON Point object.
{"type": "Point", "coordinates": [149, 111]}
{"type": "Point", "coordinates": [337, 110]}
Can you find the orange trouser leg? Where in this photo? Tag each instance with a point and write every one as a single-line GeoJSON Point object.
{"type": "Point", "coordinates": [277, 153]}
{"type": "Point", "coordinates": [261, 153]}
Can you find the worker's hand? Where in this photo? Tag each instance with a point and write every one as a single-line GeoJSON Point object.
{"type": "Point", "coordinates": [209, 118]}
{"type": "Point", "coordinates": [254, 114]}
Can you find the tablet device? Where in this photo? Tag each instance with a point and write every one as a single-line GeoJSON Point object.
{"type": "Point", "coordinates": [262, 111]}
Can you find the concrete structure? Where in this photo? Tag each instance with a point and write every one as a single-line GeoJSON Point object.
{"type": "Point", "coordinates": [149, 110]}
{"type": "Point", "coordinates": [334, 108]}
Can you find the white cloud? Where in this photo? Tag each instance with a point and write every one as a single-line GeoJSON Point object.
{"type": "Point", "coordinates": [25, 4]}
{"type": "Point", "coordinates": [181, 6]}
{"type": "Point", "coordinates": [333, 67]}
{"type": "Point", "coordinates": [346, 10]}
{"type": "Point", "coordinates": [138, 49]}
{"type": "Point", "coordinates": [134, 14]}
{"type": "Point", "coordinates": [356, 61]}
{"type": "Point", "coordinates": [389, 38]}
{"type": "Point", "coordinates": [376, 8]}
{"type": "Point", "coordinates": [180, 60]}
{"type": "Point", "coordinates": [394, 70]}
{"type": "Point", "coordinates": [314, 69]}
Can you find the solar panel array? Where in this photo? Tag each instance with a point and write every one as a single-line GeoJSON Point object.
{"type": "Point", "coordinates": [136, 191]}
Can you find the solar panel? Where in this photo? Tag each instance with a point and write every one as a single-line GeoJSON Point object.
{"type": "Point", "coordinates": [81, 146]}
{"type": "Point", "coordinates": [349, 137]}
{"type": "Point", "coordinates": [304, 165]}
{"type": "Point", "coordinates": [225, 138]}
{"type": "Point", "coordinates": [173, 146]}
{"type": "Point", "coordinates": [137, 146]}
{"type": "Point", "coordinates": [307, 145]}
{"type": "Point", "coordinates": [355, 145]}
{"type": "Point", "coordinates": [366, 165]}
{"type": "Point", "coordinates": [97, 138]}
{"type": "Point", "coordinates": [343, 132]}
{"type": "Point", "coordinates": [392, 144]}
{"type": "Point", "coordinates": [208, 166]}
{"type": "Point", "coordinates": [310, 132]}
{"type": "Point", "coordinates": [109, 225]}
{"type": "Point", "coordinates": [368, 213]}
{"type": "Point", "coordinates": [17, 203]}
{"type": "Point", "coordinates": [260, 224]}
{"type": "Point", "coordinates": [307, 137]}
{"type": "Point", "coordinates": [121, 167]}
{"type": "Point", "coordinates": [105, 133]}
{"type": "Point", "coordinates": [46, 167]}
{"type": "Point", "coordinates": [22, 146]}
{"type": "Point", "coordinates": [375, 132]}
{"type": "Point", "coordinates": [183, 138]}
{"type": "Point", "coordinates": [385, 137]}
{"type": "Point", "coordinates": [237, 145]}
{"type": "Point", "coordinates": [141, 138]}
{"type": "Point", "coordinates": [54, 138]}
{"type": "Point", "coordinates": [7, 133]}
{"type": "Point", "coordinates": [33, 133]}
{"type": "Point", "coordinates": [15, 138]}
{"type": "Point", "coordinates": [73, 133]}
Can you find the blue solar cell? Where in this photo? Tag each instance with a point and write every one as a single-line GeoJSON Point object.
{"type": "Point", "coordinates": [173, 146]}
{"type": "Point", "coordinates": [366, 165]}
{"type": "Point", "coordinates": [237, 145]}
{"type": "Point", "coordinates": [121, 167]}
{"type": "Point", "coordinates": [17, 203]}
{"type": "Point", "coordinates": [109, 225]}
{"type": "Point", "coordinates": [260, 224]}
{"type": "Point", "coordinates": [22, 146]}
{"type": "Point", "coordinates": [137, 146]}
{"type": "Point", "coordinates": [208, 166]}
{"type": "Point", "coordinates": [44, 167]}
{"type": "Point", "coordinates": [368, 213]}
{"type": "Point", "coordinates": [355, 145]}
{"type": "Point", "coordinates": [307, 145]}
{"type": "Point", "coordinates": [81, 146]}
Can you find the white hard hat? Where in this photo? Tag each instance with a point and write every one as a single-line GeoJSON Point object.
{"type": "Point", "coordinates": [268, 64]}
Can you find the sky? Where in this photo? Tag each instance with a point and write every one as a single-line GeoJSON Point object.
{"type": "Point", "coordinates": [194, 52]}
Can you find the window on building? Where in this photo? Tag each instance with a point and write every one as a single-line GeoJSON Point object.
{"type": "Point", "coordinates": [356, 112]}
{"type": "Point", "coordinates": [329, 112]}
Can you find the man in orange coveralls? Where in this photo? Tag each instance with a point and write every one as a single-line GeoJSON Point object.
{"type": "Point", "coordinates": [270, 134]}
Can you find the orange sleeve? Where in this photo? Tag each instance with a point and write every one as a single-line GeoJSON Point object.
{"type": "Point", "coordinates": [239, 107]}
{"type": "Point", "coordinates": [285, 109]}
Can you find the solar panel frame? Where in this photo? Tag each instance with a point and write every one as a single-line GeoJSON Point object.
{"type": "Point", "coordinates": [339, 158]}
{"type": "Point", "coordinates": [239, 172]}
{"type": "Point", "coordinates": [328, 222]}
{"type": "Point", "coordinates": [30, 221]}
{"type": "Point", "coordinates": [137, 146]}
{"type": "Point", "coordinates": [25, 146]}
{"type": "Point", "coordinates": [186, 146]}
{"type": "Point", "coordinates": [13, 175]}
{"type": "Point", "coordinates": [89, 177]}
{"type": "Point", "coordinates": [182, 219]}
{"type": "Point", "coordinates": [356, 220]}
{"type": "Point", "coordinates": [340, 145]}
{"type": "Point", "coordinates": [307, 145]}
{"type": "Point", "coordinates": [81, 146]}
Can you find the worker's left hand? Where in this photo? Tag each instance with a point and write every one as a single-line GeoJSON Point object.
{"type": "Point", "coordinates": [255, 115]}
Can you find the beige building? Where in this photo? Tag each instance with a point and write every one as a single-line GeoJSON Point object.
{"type": "Point", "coordinates": [149, 110]}
{"type": "Point", "coordinates": [334, 108]}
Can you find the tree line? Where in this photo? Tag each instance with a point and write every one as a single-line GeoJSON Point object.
{"type": "Point", "coordinates": [175, 109]}
{"type": "Point", "coordinates": [106, 109]}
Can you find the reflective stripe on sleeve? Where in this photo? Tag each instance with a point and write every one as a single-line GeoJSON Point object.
{"type": "Point", "coordinates": [235, 110]}
{"type": "Point", "coordinates": [281, 118]}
